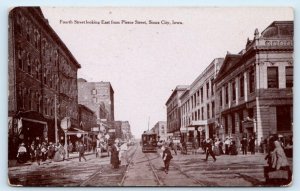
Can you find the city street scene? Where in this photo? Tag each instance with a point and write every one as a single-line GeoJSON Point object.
{"type": "Point", "coordinates": [125, 97]}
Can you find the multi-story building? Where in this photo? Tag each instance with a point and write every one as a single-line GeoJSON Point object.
{"type": "Point", "coordinates": [198, 104]}
{"type": "Point", "coordinates": [126, 132]}
{"type": "Point", "coordinates": [42, 79]}
{"type": "Point", "coordinates": [173, 111]}
{"type": "Point", "coordinates": [95, 95]}
{"type": "Point", "coordinates": [160, 128]}
{"type": "Point", "coordinates": [87, 118]}
{"type": "Point", "coordinates": [254, 88]}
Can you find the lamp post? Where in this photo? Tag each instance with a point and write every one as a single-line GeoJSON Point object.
{"type": "Point", "coordinates": [65, 125]}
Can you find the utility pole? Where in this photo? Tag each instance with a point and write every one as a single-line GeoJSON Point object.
{"type": "Point", "coordinates": [148, 122]}
{"type": "Point", "coordinates": [55, 119]}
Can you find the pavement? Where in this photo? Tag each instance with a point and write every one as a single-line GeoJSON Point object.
{"type": "Point", "coordinates": [228, 170]}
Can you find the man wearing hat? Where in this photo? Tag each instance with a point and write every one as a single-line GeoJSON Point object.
{"type": "Point", "coordinates": [167, 156]}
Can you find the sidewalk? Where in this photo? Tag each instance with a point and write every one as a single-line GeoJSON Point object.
{"type": "Point", "coordinates": [72, 156]}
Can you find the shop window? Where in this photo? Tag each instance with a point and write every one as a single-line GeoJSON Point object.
{"type": "Point", "coordinates": [289, 76]}
{"type": "Point", "coordinates": [232, 124]}
{"type": "Point", "coordinates": [272, 73]}
{"type": "Point", "coordinates": [284, 118]}
{"type": "Point", "coordinates": [226, 124]}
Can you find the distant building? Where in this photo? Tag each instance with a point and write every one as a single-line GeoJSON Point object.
{"type": "Point", "coordinates": [160, 128]}
{"type": "Point", "coordinates": [87, 118]}
{"type": "Point", "coordinates": [126, 131]}
{"type": "Point", "coordinates": [42, 72]}
{"type": "Point", "coordinates": [255, 87]}
{"type": "Point", "coordinates": [99, 97]}
{"type": "Point", "coordinates": [173, 111]}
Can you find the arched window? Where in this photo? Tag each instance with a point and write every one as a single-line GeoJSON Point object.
{"type": "Point", "coordinates": [20, 57]}
{"type": "Point", "coordinates": [29, 68]}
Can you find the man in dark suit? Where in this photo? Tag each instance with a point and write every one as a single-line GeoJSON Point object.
{"type": "Point", "coordinates": [209, 151]}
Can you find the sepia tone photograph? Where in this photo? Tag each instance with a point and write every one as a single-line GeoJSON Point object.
{"type": "Point", "coordinates": [150, 97]}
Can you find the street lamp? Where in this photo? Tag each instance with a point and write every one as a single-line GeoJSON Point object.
{"type": "Point", "coordinates": [65, 125]}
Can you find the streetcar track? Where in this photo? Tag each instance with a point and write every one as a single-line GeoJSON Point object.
{"type": "Point", "coordinates": [202, 183]}
{"type": "Point", "coordinates": [160, 183]}
{"type": "Point", "coordinates": [130, 162]}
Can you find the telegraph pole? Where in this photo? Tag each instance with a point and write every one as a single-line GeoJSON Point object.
{"type": "Point", "coordinates": [55, 119]}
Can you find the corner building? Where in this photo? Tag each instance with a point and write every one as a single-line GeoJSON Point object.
{"type": "Point", "coordinates": [254, 88]}
{"type": "Point", "coordinates": [42, 71]}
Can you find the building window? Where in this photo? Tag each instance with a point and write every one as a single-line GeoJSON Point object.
{"type": "Point", "coordinates": [251, 81]}
{"type": "Point", "coordinates": [272, 73]}
{"type": "Point", "coordinates": [207, 90]}
{"type": "Point", "coordinates": [241, 117]}
{"type": "Point", "coordinates": [212, 109]}
{"type": "Point", "coordinates": [198, 114]}
{"type": "Point", "coordinates": [207, 111]}
{"type": "Point", "coordinates": [226, 124]}
{"type": "Point", "coordinates": [232, 124]}
{"type": "Point", "coordinates": [226, 95]}
{"type": "Point", "coordinates": [233, 90]}
{"type": "Point", "coordinates": [94, 92]}
{"type": "Point", "coordinates": [289, 76]}
{"type": "Point", "coordinates": [202, 113]}
{"type": "Point", "coordinates": [284, 118]}
{"type": "Point", "coordinates": [212, 86]}
{"type": "Point", "coordinates": [221, 99]}
{"type": "Point", "coordinates": [201, 94]}
{"type": "Point", "coordinates": [242, 86]}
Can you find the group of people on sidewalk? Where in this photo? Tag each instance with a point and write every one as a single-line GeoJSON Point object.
{"type": "Point", "coordinates": [40, 152]}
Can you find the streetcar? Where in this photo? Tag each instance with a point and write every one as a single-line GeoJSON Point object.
{"type": "Point", "coordinates": [149, 142]}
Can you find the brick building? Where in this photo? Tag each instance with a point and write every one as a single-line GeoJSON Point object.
{"type": "Point", "coordinates": [87, 118]}
{"type": "Point", "coordinates": [255, 87]}
{"type": "Point", "coordinates": [99, 97]}
{"type": "Point", "coordinates": [42, 72]}
{"type": "Point", "coordinates": [160, 128]}
{"type": "Point", "coordinates": [173, 111]}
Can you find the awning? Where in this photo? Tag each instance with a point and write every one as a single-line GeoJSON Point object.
{"type": "Point", "coordinates": [198, 123]}
{"type": "Point", "coordinates": [185, 129]}
{"type": "Point", "coordinates": [75, 131]}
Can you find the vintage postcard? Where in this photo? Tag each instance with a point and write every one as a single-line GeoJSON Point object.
{"type": "Point", "coordinates": [183, 96]}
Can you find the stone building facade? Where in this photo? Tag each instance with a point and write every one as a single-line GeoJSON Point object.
{"type": "Point", "coordinates": [254, 88]}
{"type": "Point", "coordinates": [42, 72]}
{"type": "Point", "coordinates": [198, 104]}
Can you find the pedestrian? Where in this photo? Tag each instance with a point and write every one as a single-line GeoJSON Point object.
{"type": "Point", "coordinates": [114, 159]}
{"type": "Point", "coordinates": [232, 148]}
{"type": "Point", "coordinates": [172, 146]}
{"type": "Point", "coordinates": [216, 147]}
{"type": "Point", "coordinates": [60, 153]}
{"type": "Point", "coordinates": [167, 156]}
{"type": "Point", "coordinates": [44, 151]}
{"type": "Point", "coordinates": [227, 143]}
{"type": "Point", "coordinates": [32, 152]}
{"type": "Point", "coordinates": [51, 151]}
{"type": "Point", "coordinates": [81, 150]}
{"type": "Point", "coordinates": [195, 146]}
{"type": "Point", "coordinates": [22, 153]}
{"type": "Point", "coordinates": [244, 143]}
{"type": "Point", "coordinates": [221, 147]}
{"type": "Point", "coordinates": [209, 150]}
{"type": "Point", "coordinates": [252, 145]}
{"type": "Point", "coordinates": [38, 153]}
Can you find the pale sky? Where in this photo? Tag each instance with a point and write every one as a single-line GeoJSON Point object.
{"type": "Point", "coordinates": [145, 62]}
